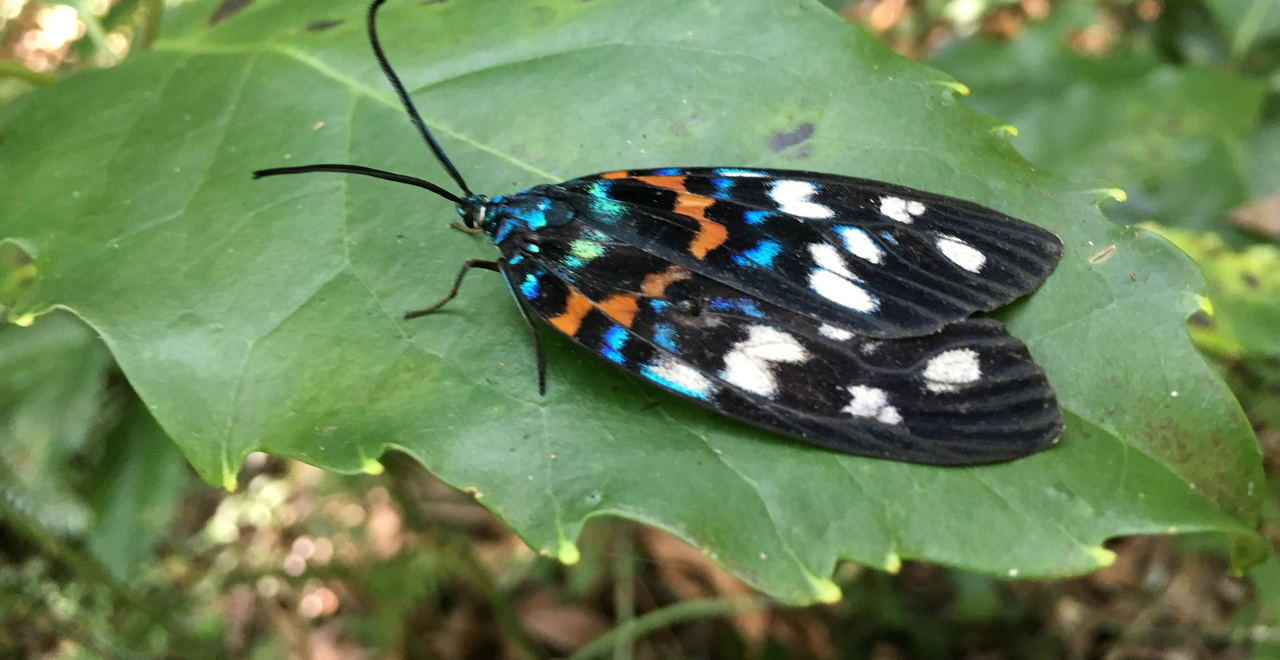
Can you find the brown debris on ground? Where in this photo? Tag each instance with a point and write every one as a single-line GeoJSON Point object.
{"type": "Point", "coordinates": [414, 566]}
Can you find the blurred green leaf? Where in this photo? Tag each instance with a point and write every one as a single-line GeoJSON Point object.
{"type": "Point", "coordinates": [1262, 159]}
{"type": "Point", "coordinates": [1246, 22]}
{"type": "Point", "coordinates": [138, 489]}
{"type": "Point", "coordinates": [266, 315]}
{"type": "Point", "coordinates": [1245, 289]}
{"type": "Point", "coordinates": [52, 391]}
{"type": "Point", "coordinates": [1265, 578]}
{"type": "Point", "coordinates": [1172, 138]}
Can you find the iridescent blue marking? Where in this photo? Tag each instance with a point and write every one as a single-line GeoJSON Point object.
{"type": "Point", "coordinates": [723, 186]}
{"type": "Point", "coordinates": [537, 219]}
{"type": "Point", "coordinates": [516, 259]}
{"type": "Point", "coordinates": [664, 335]}
{"type": "Point", "coordinates": [745, 306]}
{"type": "Point", "coordinates": [668, 171]}
{"type": "Point", "coordinates": [596, 235]}
{"type": "Point", "coordinates": [527, 212]}
{"type": "Point", "coordinates": [530, 286]}
{"type": "Point", "coordinates": [531, 248]}
{"type": "Point", "coordinates": [888, 238]}
{"type": "Point", "coordinates": [762, 254]}
{"type": "Point", "coordinates": [615, 338]}
{"type": "Point", "coordinates": [757, 217]}
{"type": "Point", "coordinates": [607, 209]}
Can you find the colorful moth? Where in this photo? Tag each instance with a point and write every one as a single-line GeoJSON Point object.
{"type": "Point", "coordinates": [835, 310]}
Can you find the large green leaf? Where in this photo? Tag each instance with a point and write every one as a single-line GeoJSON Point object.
{"type": "Point", "coordinates": [266, 314]}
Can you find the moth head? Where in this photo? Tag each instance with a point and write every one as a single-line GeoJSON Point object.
{"type": "Point", "coordinates": [472, 210]}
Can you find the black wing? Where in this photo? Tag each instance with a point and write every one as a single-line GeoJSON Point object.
{"type": "Point", "coordinates": [967, 394]}
{"type": "Point", "coordinates": [879, 259]}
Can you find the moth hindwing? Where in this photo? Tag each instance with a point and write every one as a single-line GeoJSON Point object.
{"type": "Point", "coordinates": [834, 310]}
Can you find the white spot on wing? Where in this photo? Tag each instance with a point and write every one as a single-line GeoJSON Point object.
{"type": "Point", "coordinates": [828, 258]}
{"type": "Point", "coordinates": [858, 243]}
{"type": "Point", "coordinates": [950, 369]}
{"type": "Point", "coordinates": [871, 402]}
{"type": "Point", "coordinates": [840, 290]}
{"type": "Point", "coordinates": [961, 254]}
{"type": "Point", "coordinates": [741, 174]}
{"type": "Point", "coordinates": [900, 210]}
{"type": "Point", "coordinates": [831, 279]}
{"type": "Point", "coordinates": [683, 376]}
{"type": "Point", "coordinates": [746, 365]}
{"type": "Point", "coordinates": [794, 197]}
{"type": "Point", "coordinates": [832, 332]}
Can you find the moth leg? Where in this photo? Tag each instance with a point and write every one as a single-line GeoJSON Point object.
{"type": "Point", "coordinates": [474, 231]}
{"type": "Point", "coordinates": [537, 346]}
{"type": "Point", "coordinates": [457, 282]}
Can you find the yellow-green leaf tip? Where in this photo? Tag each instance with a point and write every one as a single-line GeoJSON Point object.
{"type": "Point", "coordinates": [1205, 304]}
{"type": "Point", "coordinates": [826, 590]}
{"type": "Point", "coordinates": [1103, 556]}
{"type": "Point", "coordinates": [25, 320]}
{"type": "Point", "coordinates": [229, 474]}
{"type": "Point", "coordinates": [371, 466]}
{"type": "Point", "coordinates": [568, 553]}
{"type": "Point", "coordinates": [892, 564]}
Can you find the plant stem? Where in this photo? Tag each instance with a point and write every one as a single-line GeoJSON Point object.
{"type": "Point", "coordinates": [672, 614]}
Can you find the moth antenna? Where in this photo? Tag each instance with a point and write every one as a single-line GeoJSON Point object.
{"type": "Point", "coordinates": [413, 115]}
{"type": "Point", "coordinates": [407, 103]}
{"type": "Point", "coordinates": [342, 168]}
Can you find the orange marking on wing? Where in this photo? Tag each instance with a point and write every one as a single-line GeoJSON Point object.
{"type": "Point", "coordinates": [655, 284]}
{"type": "Point", "coordinates": [621, 307]}
{"type": "Point", "coordinates": [711, 234]}
{"type": "Point", "coordinates": [669, 182]}
{"type": "Point", "coordinates": [575, 309]}
{"type": "Point", "coordinates": [617, 174]}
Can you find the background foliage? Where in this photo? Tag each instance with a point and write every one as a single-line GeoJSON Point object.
{"type": "Point", "coordinates": [1141, 95]}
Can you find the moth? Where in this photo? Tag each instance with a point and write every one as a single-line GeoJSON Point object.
{"type": "Point", "coordinates": [835, 310]}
